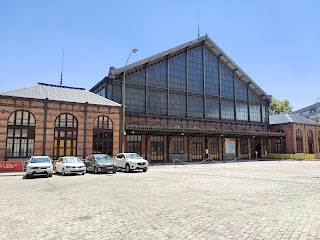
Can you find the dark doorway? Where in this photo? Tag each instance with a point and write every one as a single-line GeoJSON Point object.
{"type": "Point", "coordinates": [257, 150]}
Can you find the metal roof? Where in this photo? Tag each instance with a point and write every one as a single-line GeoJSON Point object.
{"type": "Point", "coordinates": [214, 48]}
{"type": "Point", "coordinates": [60, 93]}
{"type": "Point", "coordinates": [289, 118]}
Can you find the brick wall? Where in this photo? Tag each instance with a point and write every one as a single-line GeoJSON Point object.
{"type": "Point", "coordinates": [37, 108]}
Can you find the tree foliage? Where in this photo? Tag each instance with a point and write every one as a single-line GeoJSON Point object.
{"type": "Point", "coordinates": [277, 106]}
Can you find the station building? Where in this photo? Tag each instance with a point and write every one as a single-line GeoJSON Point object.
{"type": "Point", "coordinates": [57, 121]}
{"type": "Point", "coordinates": [302, 135]}
{"type": "Point", "coordinates": [189, 103]}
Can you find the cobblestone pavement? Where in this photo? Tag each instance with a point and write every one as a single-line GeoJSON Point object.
{"type": "Point", "coordinates": [247, 200]}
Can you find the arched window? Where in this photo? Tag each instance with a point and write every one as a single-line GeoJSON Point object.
{"type": "Point", "coordinates": [280, 143]}
{"type": "Point", "coordinates": [214, 129]}
{"type": "Point", "coordinates": [157, 125]}
{"type": "Point", "coordinates": [65, 136]}
{"type": "Point", "coordinates": [20, 134]}
{"type": "Point", "coordinates": [310, 141]}
{"type": "Point", "coordinates": [299, 139]}
{"type": "Point", "coordinates": [177, 126]}
{"type": "Point", "coordinates": [229, 129]}
{"type": "Point", "coordinates": [102, 135]}
{"type": "Point", "coordinates": [196, 127]}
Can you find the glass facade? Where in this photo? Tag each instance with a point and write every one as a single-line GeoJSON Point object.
{"type": "Point", "coordinates": [157, 76]}
{"type": "Point", "coordinates": [195, 107]}
{"type": "Point", "coordinates": [135, 100]}
{"type": "Point", "coordinates": [211, 74]}
{"type": "Point", "coordinates": [158, 107]}
{"type": "Point", "coordinates": [227, 110]}
{"type": "Point", "coordinates": [226, 82]}
{"type": "Point", "coordinates": [191, 84]}
{"type": "Point", "coordinates": [177, 104]}
{"type": "Point", "coordinates": [195, 73]}
{"type": "Point", "coordinates": [242, 111]}
{"type": "Point", "coordinates": [177, 73]}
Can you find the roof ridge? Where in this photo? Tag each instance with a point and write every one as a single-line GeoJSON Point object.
{"type": "Point", "coordinates": [200, 39]}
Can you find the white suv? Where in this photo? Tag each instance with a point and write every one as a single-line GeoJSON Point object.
{"type": "Point", "coordinates": [131, 161]}
{"type": "Point", "coordinates": [39, 165]}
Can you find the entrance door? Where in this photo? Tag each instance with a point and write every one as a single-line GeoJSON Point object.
{"type": "Point", "coordinates": [157, 148]}
{"type": "Point", "coordinates": [197, 149]}
{"type": "Point", "coordinates": [213, 145]}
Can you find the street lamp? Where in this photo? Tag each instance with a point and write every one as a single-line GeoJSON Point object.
{"type": "Point", "coordinates": [317, 129]}
{"type": "Point", "coordinates": [134, 50]}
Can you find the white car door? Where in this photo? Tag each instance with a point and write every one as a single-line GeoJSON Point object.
{"type": "Point", "coordinates": [120, 160]}
{"type": "Point", "coordinates": [58, 165]}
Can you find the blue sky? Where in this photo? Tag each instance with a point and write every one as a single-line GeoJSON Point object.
{"type": "Point", "coordinates": [275, 42]}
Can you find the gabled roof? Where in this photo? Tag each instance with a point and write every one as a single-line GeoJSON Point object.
{"type": "Point", "coordinates": [214, 48]}
{"type": "Point", "coordinates": [60, 93]}
{"type": "Point", "coordinates": [289, 118]}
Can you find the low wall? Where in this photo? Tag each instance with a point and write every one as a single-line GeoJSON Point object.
{"type": "Point", "coordinates": [297, 156]}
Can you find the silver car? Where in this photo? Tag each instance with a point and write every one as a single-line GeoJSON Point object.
{"type": "Point", "coordinates": [39, 165]}
{"type": "Point", "coordinates": [70, 165]}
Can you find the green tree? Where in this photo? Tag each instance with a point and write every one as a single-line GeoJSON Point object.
{"type": "Point", "coordinates": [277, 106]}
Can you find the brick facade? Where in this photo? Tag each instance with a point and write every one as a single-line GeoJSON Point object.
{"type": "Point", "coordinates": [46, 112]}
{"type": "Point", "coordinates": [290, 130]}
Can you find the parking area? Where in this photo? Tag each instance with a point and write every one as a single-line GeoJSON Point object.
{"type": "Point", "coordinates": [246, 200]}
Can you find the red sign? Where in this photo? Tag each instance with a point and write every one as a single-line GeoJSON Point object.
{"type": "Point", "coordinates": [10, 166]}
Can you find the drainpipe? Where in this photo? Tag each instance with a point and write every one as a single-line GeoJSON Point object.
{"type": "Point", "coordinates": [45, 115]}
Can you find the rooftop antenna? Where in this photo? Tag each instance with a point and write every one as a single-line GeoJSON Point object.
{"type": "Point", "coordinates": [198, 25]}
{"type": "Point", "coordinates": [61, 68]}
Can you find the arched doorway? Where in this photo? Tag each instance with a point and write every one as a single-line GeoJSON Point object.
{"type": "Point", "coordinates": [65, 136]}
{"type": "Point", "coordinates": [103, 135]}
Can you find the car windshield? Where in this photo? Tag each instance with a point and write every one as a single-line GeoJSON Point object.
{"type": "Point", "coordinates": [72, 160]}
{"type": "Point", "coordinates": [133, 156]}
{"type": "Point", "coordinates": [103, 158]}
{"type": "Point", "coordinates": [40, 160]}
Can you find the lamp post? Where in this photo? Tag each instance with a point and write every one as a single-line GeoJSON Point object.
{"type": "Point", "coordinates": [134, 50]}
{"type": "Point", "coordinates": [317, 129]}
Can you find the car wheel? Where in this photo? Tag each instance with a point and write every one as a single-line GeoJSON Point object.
{"type": "Point", "coordinates": [114, 172]}
{"type": "Point", "coordinates": [47, 175]}
{"type": "Point", "coordinates": [28, 176]}
{"type": "Point", "coordinates": [83, 173]}
{"type": "Point", "coordinates": [95, 170]}
{"type": "Point", "coordinates": [144, 170]}
{"type": "Point", "coordinates": [50, 175]}
{"type": "Point", "coordinates": [128, 168]}
{"type": "Point", "coordinates": [63, 172]}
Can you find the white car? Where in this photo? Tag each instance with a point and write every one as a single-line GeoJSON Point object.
{"type": "Point", "coordinates": [69, 165]}
{"type": "Point", "coordinates": [131, 161]}
{"type": "Point", "coordinates": [39, 165]}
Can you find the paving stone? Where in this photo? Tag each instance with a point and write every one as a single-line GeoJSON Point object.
{"type": "Point", "coordinates": [246, 200]}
